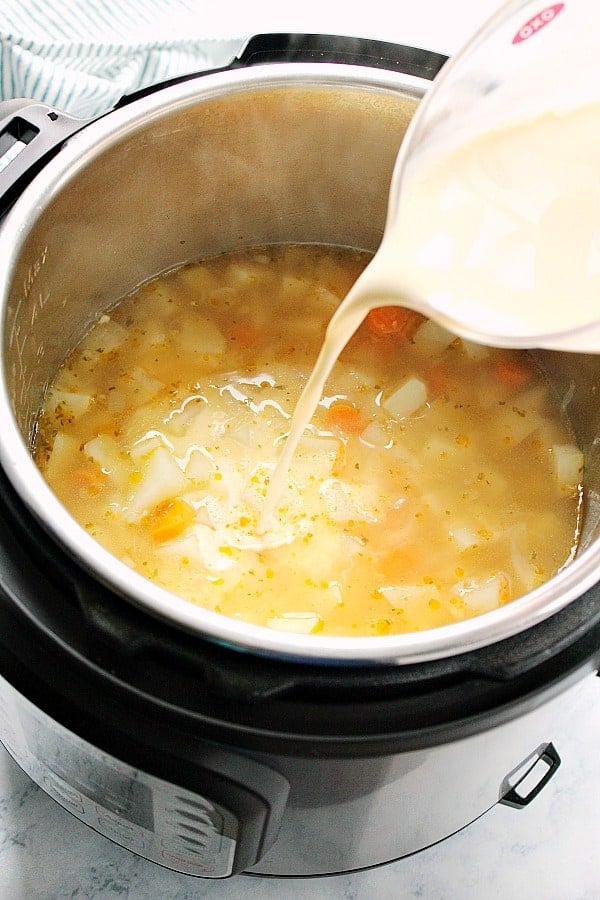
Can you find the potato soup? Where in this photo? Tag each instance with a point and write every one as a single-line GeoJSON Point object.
{"type": "Point", "coordinates": [437, 480]}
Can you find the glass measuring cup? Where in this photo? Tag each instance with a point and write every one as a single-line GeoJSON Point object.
{"type": "Point", "coordinates": [529, 272]}
{"type": "Point", "coordinates": [527, 62]}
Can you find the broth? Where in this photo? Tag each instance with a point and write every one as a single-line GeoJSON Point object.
{"type": "Point", "coordinates": [437, 480]}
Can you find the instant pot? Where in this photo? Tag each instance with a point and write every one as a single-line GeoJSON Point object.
{"type": "Point", "coordinates": [193, 740]}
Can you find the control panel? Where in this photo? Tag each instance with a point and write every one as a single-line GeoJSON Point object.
{"type": "Point", "coordinates": [160, 821]}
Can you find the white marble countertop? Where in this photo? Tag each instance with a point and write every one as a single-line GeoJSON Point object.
{"type": "Point", "coordinates": [547, 851]}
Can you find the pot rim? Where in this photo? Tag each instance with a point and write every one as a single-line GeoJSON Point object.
{"type": "Point", "coordinates": [15, 457]}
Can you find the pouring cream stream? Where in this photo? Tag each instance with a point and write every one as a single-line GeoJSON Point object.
{"type": "Point", "coordinates": [499, 241]}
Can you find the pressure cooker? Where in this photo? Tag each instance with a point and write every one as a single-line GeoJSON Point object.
{"type": "Point", "coordinates": [205, 745]}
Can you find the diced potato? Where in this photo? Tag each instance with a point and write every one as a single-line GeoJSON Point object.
{"type": "Point", "coordinates": [165, 296]}
{"type": "Point", "coordinates": [223, 296]}
{"type": "Point", "coordinates": [199, 424]}
{"type": "Point", "coordinates": [438, 450]}
{"type": "Point", "coordinates": [65, 449]}
{"type": "Point", "coordinates": [143, 420]}
{"type": "Point", "coordinates": [406, 399]}
{"type": "Point", "coordinates": [293, 287]}
{"type": "Point", "coordinates": [464, 538]}
{"type": "Point", "coordinates": [105, 452]}
{"type": "Point", "coordinates": [154, 335]}
{"type": "Point", "coordinates": [67, 404]}
{"type": "Point", "coordinates": [518, 419]}
{"type": "Point", "coordinates": [246, 274]}
{"type": "Point", "coordinates": [198, 465]}
{"type": "Point", "coordinates": [205, 547]}
{"type": "Point", "coordinates": [142, 449]}
{"type": "Point", "coordinates": [315, 459]}
{"type": "Point", "coordinates": [567, 466]}
{"type": "Point", "coordinates": [198, 280]}
{"type": "Point", "coordinates": [143, 385]}
{"type": "Point", "coordinates": [375, 435]}
{"type": "Point", "coordinates": [179, 419]}
{"type": "Point", "coordinates": [432, 339]}
{"type": "Point", "coordinates": [421, 603]}
{"type": "Point", "coordinates": [326, 299]}
{"type": "Point", "coordinates": [242, 434]}
{"type": "Point", "coordinates": [550, 432]}
{"type": "Point", "coordinates": [161, 480]}
{"type": "Point", "coordinates": [402, 594]}
{"type": "Point", "coordinates": [474, 351]}
{"type": "Point", "coordinates": [105, 337]}
{"type": "Point", "coordinates": [356, 380]}
{"type": "Point", "coordinates": [318, 557]}
{"type": "Point", "coordinates": [521, 557]}
{"type": "Point", "coordinates": [297, 622]}
{"type": "Point", "coordinates": [206, 338]}
{"type": "Point", "coordinates": [347, 502]}
{"type": "Point", "coordinates": [68, 379]}
{"type": "Point", "coordinates": [515, 426]}
{"type": "Point", "coordinates": [482, 596]}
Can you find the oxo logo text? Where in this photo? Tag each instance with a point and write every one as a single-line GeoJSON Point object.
{"type": "Point", "coordinates": [537, 22]}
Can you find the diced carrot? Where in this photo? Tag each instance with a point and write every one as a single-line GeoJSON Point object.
{"type": "Point", "coordinates": [344, 415]}
{"type": "Point", "coordinates": [393, 320]}
{"type": "Point", "coordinates": [244, 334]}
{"type": "Point", "coordinates": [398, 563]}
{"type": "Point", "coordinates": [379, 346]}
{"type": "Point", "coordinates": [91, 478]}
{"type": "Point", "coordinates": [169, 519]}
{"type": "Point", "coordinates": [438, 378]}
{"type": "Point", "coordinates": [513, 372]}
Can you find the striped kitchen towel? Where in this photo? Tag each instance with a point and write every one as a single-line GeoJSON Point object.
{"type": "Point", "coordinates": [82, 56]}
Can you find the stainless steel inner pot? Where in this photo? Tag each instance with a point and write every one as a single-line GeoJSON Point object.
{"type": "Point", "coordinates": [288, 152]}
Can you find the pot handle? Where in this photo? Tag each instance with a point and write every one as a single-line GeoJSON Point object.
{"type": "Point", "coordinates": [333, 48]}
{"type": "Point", "coordinates": [30, 132]}
{"type": "Point", "coordinates": [513, 796]}
{"type": "Point", "coordinates": [263, 49]}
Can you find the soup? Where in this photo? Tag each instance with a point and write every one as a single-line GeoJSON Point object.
{"type": "Point", "coordinates": [437, 480]}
